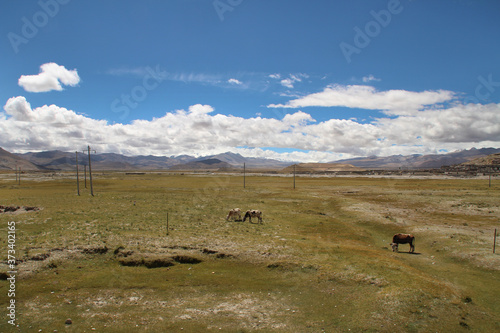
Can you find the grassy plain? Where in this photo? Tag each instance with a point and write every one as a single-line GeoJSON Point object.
{"type": "Point", "coordinates": [320, 262]}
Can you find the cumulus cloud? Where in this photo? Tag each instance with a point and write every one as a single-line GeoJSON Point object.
{"type": "Point", "coordinates": [199, 131]}
{"type": "Point", "coordinates": [194, 131]}
{"type": "Point", "coordinates": [19, 109]}
{"type": "Point", "coordinates": [394, 102]}
{"type": "Point", "coordinates": [200, 109]}
{"type": "Point", "coordinates": [45, 128]}
{"type": "Point", "coordinates": [51, 77]}
{"type": "Point", "coordinates": [472, 123]}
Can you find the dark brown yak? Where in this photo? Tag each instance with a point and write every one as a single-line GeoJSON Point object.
{"type": "Point", "coordinates": [253, 213]}
{"type": "Point", "coordinates": [403, 239]}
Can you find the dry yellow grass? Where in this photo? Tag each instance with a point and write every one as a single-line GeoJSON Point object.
{"type": "Point", "coordinates": [321, 260]}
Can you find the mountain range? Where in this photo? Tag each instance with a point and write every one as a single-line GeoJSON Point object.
{"type": "Point", "coordinates": [59, 160]}
{"type": "Point", "coordinates": [432, 161]}
{"type": "Point", "coordinates": [66, 161]}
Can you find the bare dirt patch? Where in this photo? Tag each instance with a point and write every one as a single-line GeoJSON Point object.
{"type": "Point", "coordinates": [18, 209]}
{"type": "Point", "coordinates": [252, 311]}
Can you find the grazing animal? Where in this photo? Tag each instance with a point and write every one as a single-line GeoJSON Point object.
{"type": "Point", "coordinates": [233, 213]}
{"type": "Point", "coordinates": [403, 239]}
{"type": "Point", "coordinates": [253, 213]}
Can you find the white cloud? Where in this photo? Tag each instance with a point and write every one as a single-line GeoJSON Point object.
{"type": "Point", "coordinates": [200, 109]}
{"type": "Point", "coordinates": [394, 102]}
{"type": "Point", "coordinates": [158, 72]}
{"type": "Point", "coordinates": [287, 83]}
{"type": "Point", "coordinates": [207, 79]}
{"type": "Point", "coordinates": [50, 78]}
{"type": "Point", "coordinates": [275, 76]}
{"type": "Point", "coordinates": [370, 78]}
{"type": "Point", "coordinates": [234, 81]}
{"type": "Point", "coordinates": [472, 123]}
{"type": "Point", "coordinates": [19, 109]}
{"type": "Point", "coordinates": [291, 80]}
{"type": "Point", "coordinates": [255, 81]}
{"type": "Point", "coordinates": [198, 131]}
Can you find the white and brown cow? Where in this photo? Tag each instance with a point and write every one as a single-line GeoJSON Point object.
{"type": "Point", "coordinates": [403, 239]}
{"type": "Point", "coordinates": [235, 214]}
{"type": "Point", "coordinates": [253, 213]}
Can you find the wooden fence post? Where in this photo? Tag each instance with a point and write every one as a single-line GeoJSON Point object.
{"type": "Point", "coordinates": [167, 223]}
{"type": "Point", "coordinates": [294, 176]}
{"type": "Point", "coordinates": [90, 174]}
{"type": "Point", "coordinates": [77, 177]}
{"type": "Point", "coordinates": [495, 240]}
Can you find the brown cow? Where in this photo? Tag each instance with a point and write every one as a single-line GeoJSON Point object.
{"type": "Point", "coordinates": [235, 214]}
{"type": "Point", "coordinates": [253, 213]}
{"type": "Point", "coordinates": [403, 239]}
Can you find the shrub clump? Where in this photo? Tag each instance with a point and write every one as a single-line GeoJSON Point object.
{"type": "Point", "coordinates": [149, 262]}
{"type": "Point", "coordinates": [184, 259]}
{"type": "Point", "coordinates": [120, 252]}
{"type": "Point", "coordinates": [95, 250]}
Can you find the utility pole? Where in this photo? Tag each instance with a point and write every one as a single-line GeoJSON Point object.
{"type": "Point", "coordinates": [85, 174]}
{"type": "Point", "coordinates": [494, 240]}
{"type": "Point", "coordinates": [90, 171]}
{"type": "Point", "coordinates": [77, 178]}
{"type": "Point", "coordinates": [294, 176]}
{"type": "Point", "coordinates": [244, 175]}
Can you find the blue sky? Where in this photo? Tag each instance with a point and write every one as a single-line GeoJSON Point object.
{"type": "Point", "coordinates": [288, 79]}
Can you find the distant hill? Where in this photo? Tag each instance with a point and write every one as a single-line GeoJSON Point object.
{"type": "Point", "coordinates": [204, 165]}
{"type": "Point", "coordinates": [9, 161]}
{"type": "Point", "coordinates": [59, 160]}
{"type": "Point", "coordinates": [432, 161]}
{"type": "Point", "coordinates": [51, 160]}
{"type": "Point", "coordinates": [320, 167]}
{"type": "Point", "coordinates": [237, 160]}
{"type": "Point", "coordinates": [493, 159]}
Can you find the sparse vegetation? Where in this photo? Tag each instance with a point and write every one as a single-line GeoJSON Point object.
{"type": "Point", "coordinates": [321, 260]}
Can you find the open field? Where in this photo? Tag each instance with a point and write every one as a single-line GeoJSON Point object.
{"type": "Point", "coordinates": [320, 262]}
